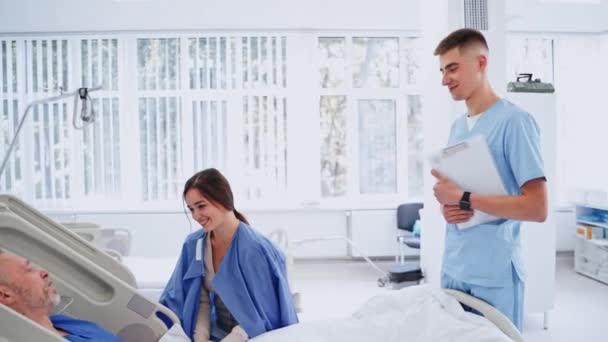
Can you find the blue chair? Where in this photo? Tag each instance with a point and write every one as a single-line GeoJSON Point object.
{"type": "Point", "coordinates": [406, 273]}
{"type": "Point", "coordinates": [407, 215]}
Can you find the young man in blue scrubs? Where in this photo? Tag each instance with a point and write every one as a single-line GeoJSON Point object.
{"type": "Point", "coordinates": [29, 291]}
{"type": "Point", "coordinates": [485, 260]}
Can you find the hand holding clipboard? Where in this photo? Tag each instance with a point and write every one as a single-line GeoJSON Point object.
{"type": "Point", "coordinates": [470, 165]}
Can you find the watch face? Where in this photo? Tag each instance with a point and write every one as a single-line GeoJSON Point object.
{"type": "Point", "coordinates": [464, 205]}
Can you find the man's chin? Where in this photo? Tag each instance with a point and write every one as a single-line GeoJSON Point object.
{"type": "Point", "coordinates": [457, 97]}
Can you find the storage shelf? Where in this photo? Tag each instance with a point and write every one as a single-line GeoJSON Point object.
{"type": "Point", "coordinates": [592, 276]}
{"type": "Point", "coordinates": [593, 253]}
{"type": "Point", "coordinates": [592, 206]}
{"type": "Point", "coordinates": [592, 223]}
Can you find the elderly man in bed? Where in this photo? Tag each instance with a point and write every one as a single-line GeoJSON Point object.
{"type": "Point", "coordinates": [29, 291]}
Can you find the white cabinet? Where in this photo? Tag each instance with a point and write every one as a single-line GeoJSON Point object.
{"type": "Point", "coordinates": [591, 247]}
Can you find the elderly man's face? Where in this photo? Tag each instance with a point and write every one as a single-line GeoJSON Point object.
{"type": "Point", "coordinates": [27, 287]}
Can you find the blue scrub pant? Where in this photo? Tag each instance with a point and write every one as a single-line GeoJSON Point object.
{"type": "Point", "coordinates": [509, 299]}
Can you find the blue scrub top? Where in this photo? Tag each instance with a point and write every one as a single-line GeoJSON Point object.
{"type": "Point", "coordinates": [81, 331]}
{"type": "Point", "coordinates": [483, 254]}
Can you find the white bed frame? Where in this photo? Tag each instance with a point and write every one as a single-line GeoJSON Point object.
{"type": "Point", "coordinates": [489, 312]}
{"type": "Point", "coordinates": [281, 238]}
{"type": "Point", "coordinates": [22, 329]}
{"type": "Point", "coordinates": [80, 273]}
{"type": "Point", "coordinates": [68, 238]}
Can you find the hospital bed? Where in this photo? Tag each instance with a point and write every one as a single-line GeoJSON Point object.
{"type": "Point", "coordinates": [100, 289]}
{"type": "Point", "coordinates": [415, 313]}
{"type": "Point", "coordinates": [93, 286]}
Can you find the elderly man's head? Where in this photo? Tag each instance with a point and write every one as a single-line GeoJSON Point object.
{"type": "Point", "coordinates": [23, 287]}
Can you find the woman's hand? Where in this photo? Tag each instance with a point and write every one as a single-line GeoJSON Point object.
{"type": "Point", "coordinates": [236, 335]}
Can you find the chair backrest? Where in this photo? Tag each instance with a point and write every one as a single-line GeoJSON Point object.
{"type": "Point", "coordinates": [407, 214]}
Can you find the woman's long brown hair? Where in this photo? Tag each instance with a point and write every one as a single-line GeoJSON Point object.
{"type": "Point", "coordinates": [214, 187]}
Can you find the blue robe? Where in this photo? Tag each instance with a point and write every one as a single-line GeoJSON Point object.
{"type": "Point", "coordinates": [251, 281]}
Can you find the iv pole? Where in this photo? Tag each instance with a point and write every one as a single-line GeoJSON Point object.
{"type": "Point", "coordinates": [81, 93]}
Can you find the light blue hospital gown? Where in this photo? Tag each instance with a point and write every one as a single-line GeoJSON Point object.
{"type": "Point", "coordinates": [81, 331]}
{"type": "Point", "coordinates": [485, 260]}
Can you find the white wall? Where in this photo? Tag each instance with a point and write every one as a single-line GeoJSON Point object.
{"type": "Point", "coordinates": [582, 127]}
{"type": "Point", "coordinates": [106, 15]}
{"type": "Point", "coordinates": [545, 16]}
{"type": "Point", "coordinates": [162, 234]}
{"type": "Point", "coordinates": [121, 15]}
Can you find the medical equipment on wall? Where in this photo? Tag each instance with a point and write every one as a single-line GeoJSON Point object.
{"type": "Point", "coordinates": [87, 114]}
{"type": "Point", "coordinates": [529, 85]}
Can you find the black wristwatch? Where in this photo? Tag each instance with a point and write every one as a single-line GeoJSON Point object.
{"type": "Point", "coordinates": [465, 201]}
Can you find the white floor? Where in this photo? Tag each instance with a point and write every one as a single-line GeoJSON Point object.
{"type": "Point", "coordinates": [332, 290]}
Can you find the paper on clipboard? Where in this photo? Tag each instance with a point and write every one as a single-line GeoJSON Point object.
{"type": "Point", "coordinates": [471, 166]}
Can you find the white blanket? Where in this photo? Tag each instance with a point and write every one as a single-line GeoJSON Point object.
{"type": "Point", "coordinates": [175, 334]}
{"type": "Point", "coordinates": [417, 313]}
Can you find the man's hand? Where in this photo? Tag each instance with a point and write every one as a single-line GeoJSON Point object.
{"type": "Point", "coordinates": [453, 214]}
{"type": "Point", "coordinates": [446, 191]}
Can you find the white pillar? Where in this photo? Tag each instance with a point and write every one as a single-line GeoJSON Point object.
{"type": "Point", "coordinates": [436, 112]}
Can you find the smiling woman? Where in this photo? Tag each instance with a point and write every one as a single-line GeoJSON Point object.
{"type": "Point", "coordinates": [221, 263]}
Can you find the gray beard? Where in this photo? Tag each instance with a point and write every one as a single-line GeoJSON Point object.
{"type": "Point", "coordinates": [55, 299]}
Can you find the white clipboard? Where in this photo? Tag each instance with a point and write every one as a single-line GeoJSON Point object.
{"type": "Point", "coordinates": [471, 166]}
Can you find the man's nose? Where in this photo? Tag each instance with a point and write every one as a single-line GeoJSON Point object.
{"type": "Point", "coordinates": [445, 80]}
{"type": "Point", "coordinates": [44, 274]}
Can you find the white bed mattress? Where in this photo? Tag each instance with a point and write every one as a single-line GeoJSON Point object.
{"type": "Point", "coordinates": [417, 313]}
{"type": "Point", "coordinates": [152, 274]}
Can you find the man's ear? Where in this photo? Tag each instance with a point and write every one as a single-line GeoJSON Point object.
{"type": "Point", "coordinates": [483, 62]}
{"type": "Point", "coordinates": [7, 295]}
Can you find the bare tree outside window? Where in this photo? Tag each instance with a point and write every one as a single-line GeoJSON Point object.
{"type": "Point", "coordinates": [334, 156]}
{"type": "Point", "coordinates": [376, 62]}
{"type": "Point", "coordinates": [332, 62]}
{"type": "Point", "coordinates": [377, 146]}
{"type": "Point", "coordinates": [415, 147]}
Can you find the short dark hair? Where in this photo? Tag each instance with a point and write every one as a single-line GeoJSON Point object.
{"type": "Point", "coordinates": [462, 38]}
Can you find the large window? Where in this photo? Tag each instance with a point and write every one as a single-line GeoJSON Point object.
{"type": "Point", "coordinates": [173, 104]}
{"type": "Point", "coordinates": [10, 88]}
{"type": "Point", "coordinates": [369, 105]}
{"type": "Point", "coordinates": [100, 149]}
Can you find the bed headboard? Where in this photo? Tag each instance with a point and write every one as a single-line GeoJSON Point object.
{"type": "Point", "coordinates": [67, 237]}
